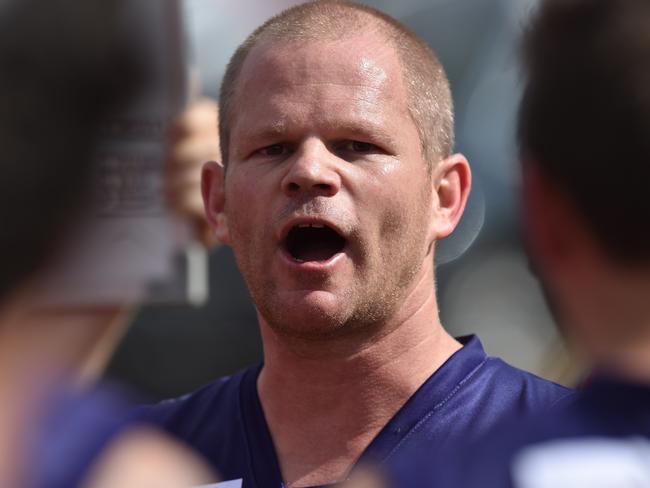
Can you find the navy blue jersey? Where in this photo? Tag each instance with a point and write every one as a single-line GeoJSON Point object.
{"type": "Point", "coordinates": [600, 439]}
{"type": "Point", "coordinates": [74, 433]}
{"type": "Point", "coordinates": [464, 398]}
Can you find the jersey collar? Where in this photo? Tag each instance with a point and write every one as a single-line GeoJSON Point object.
{"type": "Point", "coordinates": [424, 403]}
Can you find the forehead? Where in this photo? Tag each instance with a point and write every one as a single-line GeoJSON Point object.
{"type": "Point", "coordinates": [320, 83]}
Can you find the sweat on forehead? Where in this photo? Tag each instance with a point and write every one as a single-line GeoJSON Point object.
{"type": "Point", "coordinates": [277, 68]}
{"type": "Point", "coordinates": [429, 97]}
{"type": "Point", "coordinates": [287, 88]}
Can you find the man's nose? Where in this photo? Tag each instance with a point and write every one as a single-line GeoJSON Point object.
{"type": "Point", "coordinates": [312, 171]}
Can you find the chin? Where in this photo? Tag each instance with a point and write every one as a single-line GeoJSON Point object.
{"type": "Point", "coordinates": [311, 315]}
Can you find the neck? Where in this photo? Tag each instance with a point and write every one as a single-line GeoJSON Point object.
{"type": "Point", "coordinates": [325, 401]}
{"type": "Point", "coordinates": [609, 322]}
{"type": "Point", "coordinates": [630, 361]}
{"type": "Point", "coordinates": [39, 351]}
{"type": "Point", "coordinates": [623, 352]}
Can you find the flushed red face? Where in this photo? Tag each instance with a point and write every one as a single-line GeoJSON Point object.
{"type": "Point", "coordinates": [328, 201]}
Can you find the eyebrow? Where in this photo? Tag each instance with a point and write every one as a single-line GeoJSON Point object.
{"type": "Point", "coordinates": [273, 131]}
{"type": "Point", "coordinates": [366, 130]}
{"type": "Point", "coordinates": [361, 128]}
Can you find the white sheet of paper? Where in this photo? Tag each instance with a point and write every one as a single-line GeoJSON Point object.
{"type": "Point", "coordinates": [132, 249]}
{"type": "Point", "coordinates": [224, 484]}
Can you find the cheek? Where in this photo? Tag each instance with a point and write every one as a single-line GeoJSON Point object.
{"type": "Point", "coordinates": [384, 219]}
{"type": "Point", "coordinates": [406, 196]}
{"type": "Point", "coordinates": [240, 208]}
{"type": "Point", "coordinates": [404, 220]}
{"type": "Point", "coordinates": [392, 222]}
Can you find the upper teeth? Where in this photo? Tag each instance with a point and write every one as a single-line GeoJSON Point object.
{"type": "Point", "coordinates": [317, 226]}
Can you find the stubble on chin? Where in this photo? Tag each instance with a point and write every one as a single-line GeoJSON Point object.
{"type": "Point", "coordinates": [363, 309]}
{"type": "Point", "coordinates": [306, 320]}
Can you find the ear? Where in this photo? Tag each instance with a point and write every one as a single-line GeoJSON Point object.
{"type": "Point", "coordinates": [542, 217]}
{"type": "Point", "coordinates": [452, 180]}
{"type": "Point", "coordinates": [214, 199]}
{"type": "Point", "coordinates": [555, 234]}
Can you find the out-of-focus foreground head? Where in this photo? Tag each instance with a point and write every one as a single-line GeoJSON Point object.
{"type": "Point", "coordinates": [585, 115]}
{"type": "Point", "coordinates": [430, 103]}
{"type": "Point", "coordinates": [64, 65]}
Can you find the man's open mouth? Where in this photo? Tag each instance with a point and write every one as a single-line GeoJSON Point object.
{"type": "Point", "coordinates": [313, 242]}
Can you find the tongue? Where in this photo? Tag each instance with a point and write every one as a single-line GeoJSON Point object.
{"type": "Point", "coordinates": [314, 243]}
{"type": "Point", "coordinates": [316, 251]}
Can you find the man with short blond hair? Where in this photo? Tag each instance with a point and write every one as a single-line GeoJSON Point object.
{"type": "Point", "coordinates": [337, 181]}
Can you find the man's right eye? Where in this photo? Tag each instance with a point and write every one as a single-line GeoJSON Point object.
{"type": "Point", "coordinates": [274, 150]}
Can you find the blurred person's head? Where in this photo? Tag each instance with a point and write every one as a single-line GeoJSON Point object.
{"type": "Point", "coordinates": [336, 134]}
{"type": "Point", "coordinates": [63, 68]}
{"type": "Point", "coordinates": [584, 135]}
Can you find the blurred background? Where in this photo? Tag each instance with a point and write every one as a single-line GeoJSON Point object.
{"type": "Point", "coordinates": [484, 284]}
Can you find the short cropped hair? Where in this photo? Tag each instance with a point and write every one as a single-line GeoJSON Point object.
{"type": "Point", "coordinates": [430, 102]}
{"type": "Point", "coordinates": [585, 114]}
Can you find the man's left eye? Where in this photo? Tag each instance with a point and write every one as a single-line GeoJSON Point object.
{"type": "Point", "coordinates": [359, 146]}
